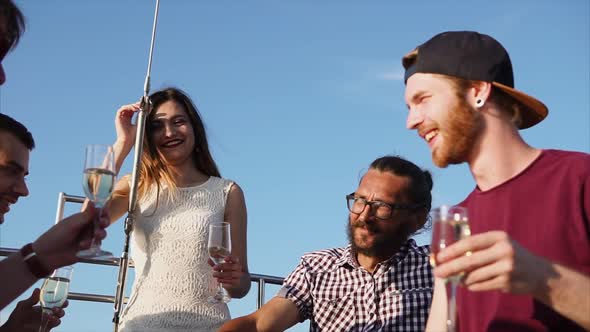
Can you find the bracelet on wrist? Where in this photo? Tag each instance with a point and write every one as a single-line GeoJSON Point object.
{"type": "Point", "coordinates": [33, 262]}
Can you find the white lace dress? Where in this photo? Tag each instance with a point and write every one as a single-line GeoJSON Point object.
{"type": "Point", "coordinates": [172, 276]}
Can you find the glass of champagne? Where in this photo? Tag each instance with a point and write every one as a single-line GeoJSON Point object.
{"type": "Point", "coordinates": [219, 246]}
{"type": "Point", "coordinates": [54, 293]}
{"type": "Point", "coordinates": [98, 184]}
{"type": "Point", "coordinates": [449, 225]}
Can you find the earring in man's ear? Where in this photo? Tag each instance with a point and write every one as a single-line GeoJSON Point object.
{"type": "Point", "coordinates": [479, 103]}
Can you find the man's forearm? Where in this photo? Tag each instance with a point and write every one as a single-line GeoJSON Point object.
{"type": "Point", "coordinates": [567, 292]}
{"type": "Point", "coordinates": [240, 324]}
{"type": "Point", "coordinates": [276, 315]}
{"type": "Point", "coordinates": [16, 278]}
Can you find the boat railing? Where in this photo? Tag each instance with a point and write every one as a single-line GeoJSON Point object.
{"type": "Point", "coordinates": [260, 279]}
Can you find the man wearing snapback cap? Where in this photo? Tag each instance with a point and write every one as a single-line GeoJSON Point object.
{"type": "Point", "coordinates": [527, 263]}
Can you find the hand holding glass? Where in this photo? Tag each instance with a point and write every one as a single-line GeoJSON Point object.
{"type": "Point", "coordinates": [449, 225]}
{"type": "Point", "coordinates": [54, 293]}
{"type": "Point", "coordinates": [219, 246]}
{"type": "Point", "coordinates": [99, 180]}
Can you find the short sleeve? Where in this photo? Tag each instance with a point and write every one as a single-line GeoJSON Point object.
{"type": "Point", "coordinates": [297, 289]}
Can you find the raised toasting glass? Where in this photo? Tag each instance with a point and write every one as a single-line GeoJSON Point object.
{"type": "Point", "coordinates": [450, 224]}
{"type": "Point", "coordinates": [98, 183]}
{"type": "Point", "coordinates": [219, 246]}
{"type": "Point", "coordinates": [54, 293]}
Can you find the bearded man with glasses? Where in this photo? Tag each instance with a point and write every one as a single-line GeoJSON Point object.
{"type": "Point", "coordinates": [382, 281]}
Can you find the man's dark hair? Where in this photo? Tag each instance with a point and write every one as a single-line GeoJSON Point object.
{"type": "Point", "coordinates": [10, 125]}
{"type": "Point", "coordinates": [12, 23]}
{"type": "Point", "coordinates": [420, 187]}
{"type": "Point", "coordinates": [421, 180]}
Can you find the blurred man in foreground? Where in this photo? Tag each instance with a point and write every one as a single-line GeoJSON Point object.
{"type": "Point", "coordinates": [58, 246]}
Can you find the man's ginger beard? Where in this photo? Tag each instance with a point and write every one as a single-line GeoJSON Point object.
{"type": "Point", "coordinates": [459, 131]}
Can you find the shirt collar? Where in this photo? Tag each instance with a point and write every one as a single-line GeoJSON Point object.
{"type": "Point", "coordinates": [347, 258]}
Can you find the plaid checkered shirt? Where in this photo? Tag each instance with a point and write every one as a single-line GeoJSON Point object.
{"type": "Point", "coordinates": [336, 294]}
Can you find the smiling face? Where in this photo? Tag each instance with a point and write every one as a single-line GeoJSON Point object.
{"type": "Point", "coordinates": [442, 117]}
{"type": "Point", "coordinates": [373, 237]}
{"type": "Point", "coordinates": [14, 166]}
{"type": "Point", "coordinates": [172, 134]}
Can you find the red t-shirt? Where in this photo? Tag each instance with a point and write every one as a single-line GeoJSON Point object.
{"type": "Point", "coordinates": [546, 209]}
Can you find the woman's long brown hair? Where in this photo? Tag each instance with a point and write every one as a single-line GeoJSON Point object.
{"type": "Point", "coordinates": [153, 166]}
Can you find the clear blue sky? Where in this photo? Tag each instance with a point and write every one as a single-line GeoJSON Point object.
{"type": "Point", "coordinates": [298, 97]}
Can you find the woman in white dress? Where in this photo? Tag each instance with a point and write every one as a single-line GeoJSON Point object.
{"type": "Point", "coordinates": [180, 193]}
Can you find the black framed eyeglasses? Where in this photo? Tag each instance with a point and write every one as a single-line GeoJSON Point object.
{"type": "Point", "coordinates": [379, 209]}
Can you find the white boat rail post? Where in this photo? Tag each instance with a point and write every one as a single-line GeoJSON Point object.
{"type": "Point", "coordinates": [260, 300]}
{"type": "Point", "coordinates": [60, 207]}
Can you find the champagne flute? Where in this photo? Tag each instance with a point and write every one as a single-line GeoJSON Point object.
{"type": "Point", "coordinates": [54, 293]}
{"type": "Point", "coordinates": [99, 180]}
{"type": "Point", "coordinates": [450, 224]}
{"type": "Point", "coordinates": [219, 247]}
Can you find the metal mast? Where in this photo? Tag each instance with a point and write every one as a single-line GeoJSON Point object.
{"type": "Point", "coordinates": [145, 109]}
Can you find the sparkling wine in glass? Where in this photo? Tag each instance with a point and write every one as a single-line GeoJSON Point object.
{"type": "Point", "coordinates": [449, 225]}
{"type": "Point", "coordinates": [219, 247]}
{"type": "Point", "coordinates": [54, 293]}
{"type": "Point", "coordinates": [98, 184]}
